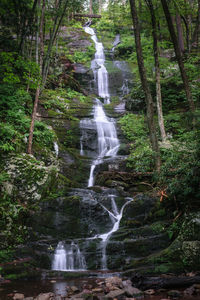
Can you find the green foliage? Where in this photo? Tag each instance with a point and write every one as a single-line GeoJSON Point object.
{"type": "Point", "coordinates": [15, 121]}
{"type": "Point", "coordinates": [180, 173]}
{"type": "Point", "coordinates": [14, 70]}
{"type": "Point", "coordinates": [6, 255]}
{"type": "Point", "coordinates": [62, 99]}
{"type": "Point", "coordinates": [84, 56]}
{"type": "Point", "coordinates": [12, 213]}
{"type": "Point", "coordinates": [43, 135]}
{"type": "Point", "coordinates": [133, 126]}
{"type": "Point", "coordinates": [141, 155]}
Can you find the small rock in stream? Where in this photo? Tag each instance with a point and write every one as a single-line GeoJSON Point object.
{"type": "Point", "coordinates": [74, 289]}
{"type": "Point", "coordinates": [149, 292]}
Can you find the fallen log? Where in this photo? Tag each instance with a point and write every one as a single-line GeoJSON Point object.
{"type": "Point", "coordinates": [164, 282]}
{"type": "Point", "coordinates": [87, 16]}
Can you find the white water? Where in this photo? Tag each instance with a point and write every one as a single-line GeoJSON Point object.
{"type": "Point", "coordinates": [81, 146]}
{"type": "Point", "coordinates": [98, 66]}
{"type": "Point", "coordinates": [68, 259]}
{"type": "Point", "coordinates": [116, 42]}
{"type": "Point", "coordinates": [56, 149]}
{"type": "Point", "coordinates": [116, 218]}
{"type": "Point", "coordinates": [108, 143]}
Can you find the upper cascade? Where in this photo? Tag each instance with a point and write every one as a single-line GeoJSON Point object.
{"type": "Point", "coordinates": [108, 143]}
{"type": "Point", "coordinates": [98, 66]}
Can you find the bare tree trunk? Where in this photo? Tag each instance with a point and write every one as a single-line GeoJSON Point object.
{"type": "Point", "coordinates": [179, 33]}
{"type": "Point", "coordinates": [91, 10]}
{"type": "Point", "coordinates": [187, 29]}
{"type": "Point", "coordinates": [195, 37]}
{"type": "Point", "coordinates": [57, 23]}
{"type": "Point", "coordinates": [30, 141]}
{"type": "Point", "coordinates": [178, 55]}
{"type": "Point", "coordinates": [145, 86]}
{"type": "Point", "coordinates": [157, 67]}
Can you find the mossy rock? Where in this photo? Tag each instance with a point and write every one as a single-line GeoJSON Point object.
{"type": "Point", "coordinates": [191, 255]}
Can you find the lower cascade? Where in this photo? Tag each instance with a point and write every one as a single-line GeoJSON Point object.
{"type": "Point", "coordinates": [69, 258]}
{"type": "Point", "coordinates": [115, 217]}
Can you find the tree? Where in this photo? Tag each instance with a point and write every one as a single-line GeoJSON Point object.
{"type": "Point", "coordinates": [145, 86]}
{"type": "Point", "coordinates": [178, 55]}
{"type": "Point", "coordinates": [60, 8]}
{"type": "Point", "coordinates": [37, 93]}
{"type": "Point", "coordinates": [195, 37]}
{"type": "Point", "coordinates": [157, 70]}
{"type": "Point", "coordinates": [180, 33]}
{"type": "Point", "coordinates": [91, 10]}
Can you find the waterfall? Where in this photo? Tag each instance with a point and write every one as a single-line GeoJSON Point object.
{"type": "Point", "coordinates": [116, 42]}
{"type": "Point", "coordinates": [99, 69]}
{"type": "Point", "coordinates": [116, 218]}
{"type": "Point", "coordinates": [108, 143]}
{"type": "Point", "coordinates": [60, 258]}
{"type": "Point", "coordinates": [56, 149]}
{"type": "Point", "coordinates": [81, 146]}
{"type": "Point", "coordinates": [69, 258]}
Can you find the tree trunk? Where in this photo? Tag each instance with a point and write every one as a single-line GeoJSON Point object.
{"type": "Point", "coordinates": [30, 140]}
{"type": "Point", "coordinates": [179, 33]}
{"type": "Point", "coordinates": [57, 23]}
{"type": "Point", "coordinates": [91, 10]}
{"type": "Point", "coordinates": [157, 68]}
{"type": "Point", "coordinates": [145, 86]}
{"type": "Point", "coordinates": [178, 55]}
{"type": "Point", "coordinates": [187, 23]}
{"type": "Point", "coordinates": [195, 37]}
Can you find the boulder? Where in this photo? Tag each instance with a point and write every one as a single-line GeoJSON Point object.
{"type": "Point", "coordinates": [114, 281]}
{"type": "Point", "coordinates": [45, 296]}
{"type": "Point", "coordinates": [118, 294]}
{"type": "Point", "coordinates": [133, 292]}
{"type": "Point", "coordinates": [18, 296]}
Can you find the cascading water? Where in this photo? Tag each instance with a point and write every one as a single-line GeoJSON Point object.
{"type": "Point", "coordinates": [108, 143]}
{"type": "Point", "coordinates": [98, 67]}
{"type": "Point", "coordinates": [116, 218]}
{"type": "Point", "coordinates": [60, 258]}
{"type": "Point", "coordinates": [68, 259]}
{"type": "Point", "coordinates": [56, 149]}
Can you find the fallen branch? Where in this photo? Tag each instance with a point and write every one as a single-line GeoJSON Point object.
{"type": "Point", "coordinates": [164, 282]}
{"type": "Point", "coordinates": [87, 16]}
